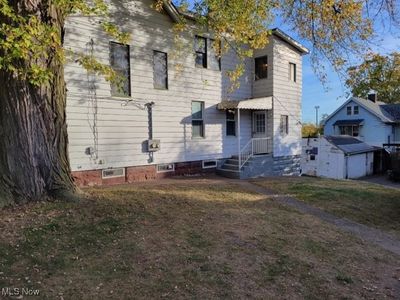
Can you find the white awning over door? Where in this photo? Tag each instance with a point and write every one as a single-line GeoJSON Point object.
{"type": "Point", "coordinates": [264, 103]}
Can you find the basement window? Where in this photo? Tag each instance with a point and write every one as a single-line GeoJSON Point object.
{"type": "Point", "coordinates": [208, 164]}
{"type": "Point", "coordinates": [113, 173]}
{"type": "Point", "coordinates": [163, 168]}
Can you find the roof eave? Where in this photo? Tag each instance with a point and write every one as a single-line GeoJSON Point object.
{"type": "Point", "coordinates": [279, 33]}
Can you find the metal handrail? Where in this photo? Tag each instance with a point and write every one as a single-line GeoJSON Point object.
{"type": "Point", "coordinates": [253, 147]}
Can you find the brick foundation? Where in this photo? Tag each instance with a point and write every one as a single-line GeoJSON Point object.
{"type": "Point", "coordinates": [138, 174]}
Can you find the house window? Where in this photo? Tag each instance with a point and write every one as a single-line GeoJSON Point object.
{"type": "Point", "coordinates": [349, 110]}
{"type": "Point", "coordinates": [292, 72]}
{"type": "Point", "coordinates": [352, 130]}
{"type": "Point", "coordinates": [215, 56]}
{"type": "Point", "coordinates": [261, 67]}
{"type": "Point", "coordinates": [200, 45]}
{"type": "Point", "coordinates": [160, 70]}
{"type": "Point", "coordinates": [230, 123]}
{"type": "Point", "coordinates": [355, 110]}
{"type": "Point", "coordinates": [197, 119]}
{"type": "Point", "coordinates": [120, 63]}
{"type": "Point", "coordinates": [284, 126]}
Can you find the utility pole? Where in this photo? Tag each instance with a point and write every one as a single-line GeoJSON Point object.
{"type": "Point", "coordinates": [316, 116]}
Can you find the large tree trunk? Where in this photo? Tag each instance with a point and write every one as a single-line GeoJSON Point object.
{"type": "Point", "coordinates": [34, 160]}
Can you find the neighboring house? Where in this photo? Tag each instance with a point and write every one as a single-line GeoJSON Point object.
{"type": "Point", "coordinates": [339, 157]}
{"type": "Point", "coordinates": [173, 113]}
{"type": "Point", "coordinates": [371, 121]}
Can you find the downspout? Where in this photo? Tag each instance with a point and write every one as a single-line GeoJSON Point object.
{"type": "Point", "coordinates": [239, 148]}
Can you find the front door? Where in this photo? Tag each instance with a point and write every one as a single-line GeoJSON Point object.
{"type": "Point", "coordinates": [259, 124]}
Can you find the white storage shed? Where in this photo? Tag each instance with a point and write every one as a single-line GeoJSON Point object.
{"type": "Point", "coordinates": [338, 157]}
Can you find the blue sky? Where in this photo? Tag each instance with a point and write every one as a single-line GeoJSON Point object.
{"type": "Point", "coordinates": [330, 99]}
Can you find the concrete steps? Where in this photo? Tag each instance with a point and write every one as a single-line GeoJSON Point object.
{"type": "Point", "coordinates": [256, 166]}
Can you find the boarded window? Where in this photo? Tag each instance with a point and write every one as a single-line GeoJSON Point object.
{"type": "Point", "coordinates": [261, 67]}
{"type": "Point", "coordinates": [215, 55]}
{"type": "Point", "coordinates": [355, 110]}
{"type": "Point", "coordinates": [160, 70]}
{"type": "Point", "coordinates": [197, 119]}
{"type": "Point", "coordinates": [284, 125]}
{"type": "Point", "coordinates": [230, 123]}
{"type": "Point", "coordinates": [200, 45]}
{"type": "Point", "coordinates": [292, 72]}
{"type": "Point", "coordinates": [120, 63]}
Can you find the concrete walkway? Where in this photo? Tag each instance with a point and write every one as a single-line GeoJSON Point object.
{"type": "Point", "coordinates": [366, 233]}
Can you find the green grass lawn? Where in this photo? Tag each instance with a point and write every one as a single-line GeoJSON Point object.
{"type": "Point", "coordinates": [188, 239]}
{"type": "Point", "coordinates": [363, 202]}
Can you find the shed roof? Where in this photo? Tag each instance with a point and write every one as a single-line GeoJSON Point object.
{"type": "Point", "coordinates": [350, 145]}
{"type": "Point", "coordinates": [264, 103]}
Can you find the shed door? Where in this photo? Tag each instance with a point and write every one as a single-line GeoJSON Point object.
{"type": "Point", "coordinates": [332, 166]}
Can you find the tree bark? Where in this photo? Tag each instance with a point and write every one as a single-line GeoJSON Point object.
{"type": "Point", "coordinates": [34, 161]}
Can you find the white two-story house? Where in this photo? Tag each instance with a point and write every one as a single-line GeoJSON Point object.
{"type": "Point", "coordinates": [371, 121]}
{"type": "Point", "coordinates": [174, 112]}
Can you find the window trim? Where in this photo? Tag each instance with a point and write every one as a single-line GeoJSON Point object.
{"type": "Point", "coordinates": [202, 120]}
{"type": "Point", "coordinates": [294, 72]}
{"type": "Point", "coordinates": [352, 130]}
{"type": "Point", "coordinates": [205, 54]}
{"type": "Point", "coordinates": [129, 69]}
{"type": "Point", "coordinates": [284, 127]}
{"type": "Point", "coordinates": [354, 110]}
{"type": "Point", "coordinates": [204, 162]}
{"type": "Point", "coordinates": [230, 120]}
{"type": "Point", "coordinates": [257, 78]}
{"type": "Point", "coordinates": [349, 110]}
{"type": "Point", "coordinates": [166, 70]}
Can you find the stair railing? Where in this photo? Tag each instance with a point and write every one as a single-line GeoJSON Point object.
{"type": "Point", "coordinates": [253, 147]}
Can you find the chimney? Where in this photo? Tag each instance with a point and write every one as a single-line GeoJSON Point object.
{"type": "Point", "coordinates": [372, 96]}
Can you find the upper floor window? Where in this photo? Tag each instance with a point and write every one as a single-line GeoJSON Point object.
{"type": "Point", "coordinates": [356, 110]}
{"type": "Point", "coordinates": [349, 110]}
{"type": "Point", "coordinates": [261, 67]}
{"type": "Point", "coordinates": [197, 119]}
{"type": "Point", "coordinates": [160, 70]}
{"type": "Point", "coordinates": [215, 55]}
{"type": "Point", "coordinates": [284, 125]}
{"type": "Point", "coordinates": [230, 123]}
{"type": "Point", "coordinates": [120, 63]}
{"type": "Point", "coordinates": [292, 72]}
{"type": "Point", "coordinates": [200, 45]}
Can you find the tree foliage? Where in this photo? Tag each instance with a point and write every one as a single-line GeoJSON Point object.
{"type": "Point", "coordinates": [380, 73]}
{"type": "Point", "coordinates": [338, 31]}
{"type": "Point", "coordinates": [310, 130]}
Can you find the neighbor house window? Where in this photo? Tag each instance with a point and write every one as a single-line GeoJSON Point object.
{"type": "Point", "coordinates": [348, 110]}
{"type": "Point", "coordinates": [120, 63]}
{"type": "Point", "coordinates": [215, 56]}
{"type": "Point", "coordinates": [197, 119]}
{"type": "Point", "coordinates": [351, 130]}
{"type": "Point", "coordinates": [200, 45]}
{"type": "Point", "coordinates": [292, 72]}
{"type": "Point", "coordinates": [261, 67]}
{"type": "Point", "coordinates": [355, 110]}
{"type": "Point", "coordinates": [284, 126]}
{"type": "Point", "coordinates": [160, 70]}
{"type": "Point", "coordinates": [230, 123]}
